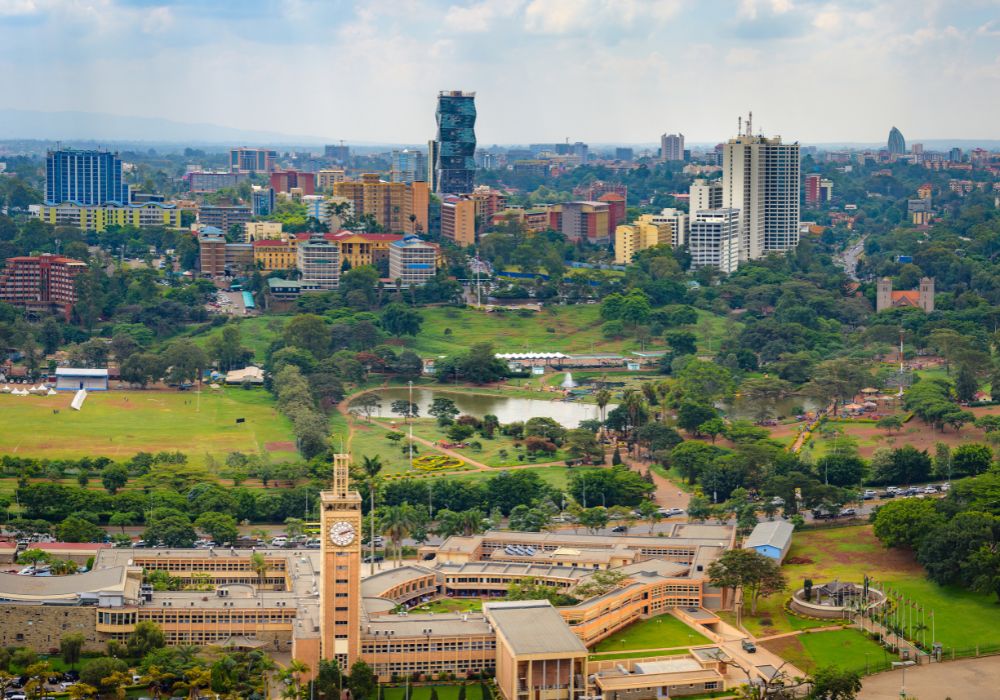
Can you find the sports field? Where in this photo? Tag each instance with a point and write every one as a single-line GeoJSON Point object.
{"type": "Point", "coordinates": [119, 424]}
{"type": "Point", "coordinates": [962, 619]}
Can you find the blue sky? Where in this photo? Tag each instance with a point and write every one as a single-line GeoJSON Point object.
{"type": "Point", "coordinates": [544, 70]}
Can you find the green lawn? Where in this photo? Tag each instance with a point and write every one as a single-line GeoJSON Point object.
{"type": "Point", "coordinates": [637, 654]}
{"type": "Point", "coordinates": [557, 477]}
{"type": "Point", "coordinates": [119, 424]}
{"type": "Point", "coordinates": [962, 618]}
{"type": "Point", "coordinates": [473, 691]}
{"type": "Point", "coordinates": [428, 429]}
{"type": "Point", "coordinates": [659, 632]}
{"type": "Point", "coordinates": [445, 605]}
{"type": "Point", "coordinates": [846, 649]}
{"type": "Point", "coordinates": [256, 333]}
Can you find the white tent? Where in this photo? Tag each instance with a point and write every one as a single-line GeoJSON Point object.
{"type": "Point", "coordinates": [6, 390]}
{"type": "Point", "coordinates": [51, 392]}
{"type": "Point", "coordinates": [78, 400]}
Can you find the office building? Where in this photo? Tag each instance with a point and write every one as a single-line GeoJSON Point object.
{"type": "Point", "coordinates": [273, 255]}
{"type": "Point", "coordinates": [455, 150]}
{"type": "Point", "coordinates": [408, 165]}
{"type": "Point", "coordinates": [339, 153]}
{"type": "Point", "coordinates": [616, 208]}
{"type": "Point", "coordinates": [359, 249]}
{"type": "Point", "coordinates": [714, 239]}
{"type": "Point", "coordinates": [288, 180]}
{"type": "Point", "coordinates": [672, 147]}
{"type": "Point", "coordinates": [412, 261]}
{"type": "Point", "coordinates": [325, 179]}
{"type": "Point", "coordinates": [262, 200]}
{"type": "Point", "coordinates": [395, 206]}
{"type": "Point", "coordinates": [318, 263]}
{"type": "Point", "coordinates": [676, 219]}
{"type": "Point", "coordinates": [262, 230]}
{"type": "Point", "coordinates": [760, 178]}
{"type": "Point", "coordinates": [626, 154]}
{"type": "Point", "coordinates": [252, 160]}
{"type": "Point", "coordinates": [818, 189]}
{"type": "Point", "coordinates": [955, 155]}
{"type": "Point", "coordinates": [704, 195]}
{"type": "Point", "coordinates": [458, 219]}
{"type": "Point", "coordinates": [98, 217]}
{"type": "Point", "coordinates": [84, 177]}
{"type": "Point", "coordinates": [581, 151]}
{"type": "Point", "coordinates": [315, 205]}
{"type": "Point", "coordinates": [489, 202]}
{"type": "Point", "coordinates": [587, 221]}
{"type": "Point", "coordinates": [639, 235]}
{"type": "Point", "coordinates": [41, 283]}
{"type": "Point", "coordinates": [594, 190]}
{"type": "Point", "coordinates": [896, 144]}
{"type": "Point", "coordinates": [203, 181]}
{"type": "Point", "coordinates": [212, 252]}
{"type": "Point", "coordinates": [223, 218]}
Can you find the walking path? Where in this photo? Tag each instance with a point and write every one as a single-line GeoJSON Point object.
{"type": "Point", "coordinates": [668, 494]}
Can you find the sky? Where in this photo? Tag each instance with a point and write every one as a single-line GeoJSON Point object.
{"type": "Point", "coordinates": [600, 71]}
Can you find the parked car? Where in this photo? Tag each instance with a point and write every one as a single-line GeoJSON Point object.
{"type": "Point", "coordinates": [619, 528]}
{"type": "Point", "coordinates": [869, 495]}
{"type": "Point", "coordinates": [848, 513]}
{"type": "Point", "coordinates": [748, 646]}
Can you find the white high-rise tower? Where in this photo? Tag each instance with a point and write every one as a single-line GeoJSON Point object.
{"type": "Point", "coordinates": [761, 178]}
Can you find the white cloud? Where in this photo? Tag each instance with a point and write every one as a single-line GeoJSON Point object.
{"type": "Point", "coordinates": [558, 16]}
{"type": "Point", "coordinates": [14, 8]}
{"type": "Point", "coordinates": [480, 16]}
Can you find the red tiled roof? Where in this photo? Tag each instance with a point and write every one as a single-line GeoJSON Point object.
{"type": "Point", "coordinates": [269, 242]}
{"type": "Point", "coordinates": [907, 297]}
{"type": "Point", "coordinates": [366, 236]}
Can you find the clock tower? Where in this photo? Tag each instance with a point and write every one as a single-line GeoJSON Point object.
{"type": "Point", "coordinates": [340, 578]}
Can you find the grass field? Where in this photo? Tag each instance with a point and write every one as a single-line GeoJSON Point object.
{"type": "Point", "coordinates": [256, 333]}
{"type": "Point", "coordinates": [846, 649]}
{"type": "Point", "coordinates": [445, 605]}
{"type": "Point", "coordinates": [963, 619]}
{"type": "Point", "coordinates": [119, 424]}
{"type": "Point", "coordinates": [473, 691]}
{"type": "Point", "coordinates": [661, 632]}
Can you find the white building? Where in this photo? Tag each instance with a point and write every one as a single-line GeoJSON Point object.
{"type": "Point", "coordinates": [761, 177]}
{"type": "Point", "coordinates": [704, 195]}
{"type": "Point", "coordinates": [672, 147]}
{"type": "Point", "coordinates": [676, 219]}
{"type": "Point", "coordinates": [412, 261]}
{"type": "Point", "coordinates": [318, 263]}
{"type": "Point", "coordinates": [714, 239]}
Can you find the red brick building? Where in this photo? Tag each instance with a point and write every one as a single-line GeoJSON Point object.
{"type": "Point", "coordinates": [41, 283]}
{"type": "Point", "coordinates": [286, 180]}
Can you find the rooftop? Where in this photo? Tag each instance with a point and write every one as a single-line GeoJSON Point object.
{"type": "Point", "coordinates": [776, 533]}
{"type": "Point", "coordinates": [427, 625]}
{"type": "Point", "coordinates": [80, 372]}
{"type": "Point", "coordinates": [534, 627]}
{"type": "Point", "coordinates": [66, 588]}
{"type": "Point", "coordinates": [375, 585]}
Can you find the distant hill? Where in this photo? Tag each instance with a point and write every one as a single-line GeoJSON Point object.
{"type": "Point", "coordinates": [96, 126]}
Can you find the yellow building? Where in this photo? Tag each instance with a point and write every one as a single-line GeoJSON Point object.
{"type": "Point", "coordinates": [262, 230]}
{"type": "Point", "coordinates": [639, 235]}
{"type": "Point", "coordinates": [364, 248]}
{"type": "Point", "coordinates": [99, 217]}
{"type": "Point", "coordinates": [271, 255]}
{"type": "Point", "coordinates": [458, 220]}
{"type": "Point", "coordinates": [395, 206]}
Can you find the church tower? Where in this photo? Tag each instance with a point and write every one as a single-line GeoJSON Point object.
{"type": "Point", "coordinates": [340, 578]}
{"type": "Point", "coordinates": [883, 294]}
{"type": "Point", "coordinates": [926, 294]}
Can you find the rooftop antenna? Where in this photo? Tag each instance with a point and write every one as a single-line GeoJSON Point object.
{"type": "Point", "coordinates": [750, 124]}
{"type": "Point", "coordinates": [739, 125]}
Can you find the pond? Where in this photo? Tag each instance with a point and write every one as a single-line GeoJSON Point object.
{"type": "Point", "coordinates": [744, 410]}
{"type": "Point", "coordinates": [507, 409]}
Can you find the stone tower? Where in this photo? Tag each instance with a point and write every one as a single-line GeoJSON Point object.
{"type": "Point", "coordinates": [926, 294]}
{"type": "Point", "coordinates": [883, 297]}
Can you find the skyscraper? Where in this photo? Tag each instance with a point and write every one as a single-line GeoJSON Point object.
{"type": "Point", "coordinates": [251, 160]}
{"type": "Point", "coordinates": [672, 147]}
{"type": "Point", "coordinates": [84, 177]}
{"type": "Point", "coordinates": [704, 195]}
{"type": "Point", "coordinates": [408, 165]}
{"type": "Point", "coordinates": [713, 240]}
{"type": "Point", "coordinates": [455, 161]}
{"type": "Point", "coordinates": [761, 178]}
{"type": "Point", "coordinates": [897, 144]}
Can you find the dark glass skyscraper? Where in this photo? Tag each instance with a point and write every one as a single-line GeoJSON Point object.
{"type": "Point", "coordinates": [84, 177]}
{"type": "Point", "coordinates": [455, 164]}
{"type": "Point", "coordinates": [897, 144]}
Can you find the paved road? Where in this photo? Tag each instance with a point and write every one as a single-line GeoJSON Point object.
{"type": "Point", "coordinates": [968, 679]}
{"type": "Point", "coordinates": [849, 260]}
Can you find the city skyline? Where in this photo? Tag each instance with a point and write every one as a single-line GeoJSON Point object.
{"type": "Point", "coordinates": [802, 67]}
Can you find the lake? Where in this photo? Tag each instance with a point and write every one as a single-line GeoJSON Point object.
{"type": "Point", "coordinates": [507, 409]}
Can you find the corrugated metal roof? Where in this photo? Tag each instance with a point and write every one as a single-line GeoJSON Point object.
{"type": "Point", "coordinates": [80, 372]}
{"type": "Point", "coordinates": [776, 533]}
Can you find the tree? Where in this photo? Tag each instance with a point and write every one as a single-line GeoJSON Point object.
{"type": "Point", "coordinates": [184, 361]}
{"type": "Point", "coordinates": [142, 368]}
{"type": "Point", "coordinates": [397, 523]}
{"type": "Point", "coordinates": [832, 683]}
{"type": "Point", "coordinates": [581, 444]}
{"type": "Point", "coordinates": [114, 477]}
{"type": "Point", "coordinates": [681, 342]}
{"type": "Point", "coordinates": [699, 509]}
{"type": "Point", "coordinates": [966, 384]}
{"type": "Point", "coordinates": [691, 416]}
{"type": "Point", "coordinates": [399, 320]}
{"type": "Point", "coordinates": [405, 409]}
{"type": "Point", "coordinates": [837, 380]}
{"type": "Point", "coordinates": [145, 638]}
{"type": "Point", "coordinates": [712, 428]}
{"type": "Point", "coordinates": [530, 589]}
{"type": "Point", "coordinates": [444, 410]}
{"type": "Point", "coordinates": [309, 332]}
{"type": "Point", "coordinates": [750, 572]}
{"type": "Point", "coordinates": [33, 557]}
{"type": "Point", "coordinates": [366, 404]}
{"type": "Point", "coordinates": [970, 459]}
{"type": "Point", "coordinates": [841, 470]}
{"type": "Point", "coordinates": [70, 646]}
{"type": "Point", "coordinates": [763, 393]}
{"type": "Point", "coordinates": [77, 529]}
{"type": "Point", "coordinates": [594, 519]}
{"type": "Point", "coordinates": [169, 527]}
{"type": "Point", "coordinates": [363, 683]}
{"type": "Point", "coordinates": [409, 365]}
{"type": "Point", "coordinates": [602, 397]}
{"type": "Point", "coordinates": [905, 465]}
{"type": "Point", "coordinates": [81, 691]}
{"type": "Point", "coordinates": [480, 365]}
{"type": "Point", "coordinates": [905, 522]}
{"type": "Point", "coordinates": [95, 671]}
{"type": "Point", "coordinates": [221, 527]}
{"type": "Point", "coordinates": [227, 348]}
{"type": "Point", "coordinates": [692, 457]}
{"type": "Point", "coordinates": [890, 424]}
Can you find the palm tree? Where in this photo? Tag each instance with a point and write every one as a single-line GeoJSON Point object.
{"type": "Point", "coordinates": [397, 522]}
{"type": "Point", "coordinates": [371, 466]}
{"type": "Point", "coordinates": [603, 398]}
{"type": "Point", "coordinates": [118, 681]}
{"type": "Point", "coordinates": [259, 564]}
{"type": "Point", "coordinates": [291, 677]}
{"type": "Point", "coordinates": [153, 679]}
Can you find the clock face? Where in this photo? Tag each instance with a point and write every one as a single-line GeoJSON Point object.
{"type": "Point", "coordinates": [342, 533]}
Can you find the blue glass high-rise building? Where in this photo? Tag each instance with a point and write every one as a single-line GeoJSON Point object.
{"type": "Point", "coordinates": [84, 177]}
{"type": "Point", "coordinates": [455, 152]}
{"type": "Point", "coordinates": [897, 144]}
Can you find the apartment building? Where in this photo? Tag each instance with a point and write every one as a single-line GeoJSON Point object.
{"type": "Point", "coordinates": [412, 261]}
{"type": "Point", "coordinates": [289, 180]}
{"type": "Point", "coordinates": [273, 255]}
{"type": "Point", "coordinates": [458, 219]}
{"type": "Point", "coordinates": [704, 195]}
{"type": "Point", "coordinates": [260, 230]}
{"type": "Point", "coordinates": [326, 179]}
{"type": "Point", "coordinates": [252, 160]}
{"type": "Point", "coordinates": [42, 283]}
{"type": "Point", "coordinates": [395, 206]}
{"type": "Point", "coordinates": [205, 181]}
{"type": "Point", "coordinates": [223, 218]}
{"type": "Point", "coordinates": [97, 217]}
{"type": "Point", "coordinates": [639, 235]}
{"type": "Point", "coordinates": [87, 177]}
{"type": "Point", "coordinates": [587, 221]}
{"type": "Point", "coordinates": [714, 239]}
{"type": "Point", "coordinates": [318, 262]}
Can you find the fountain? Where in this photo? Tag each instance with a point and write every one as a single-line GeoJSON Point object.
{"type": "Point", "coordinates": [568, 382]}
